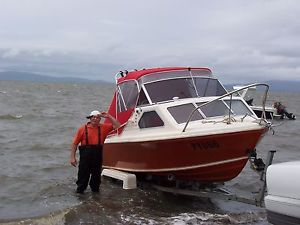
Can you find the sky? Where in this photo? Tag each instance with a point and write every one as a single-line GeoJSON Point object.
{"type": "Point", "coordinates": [241, 41]}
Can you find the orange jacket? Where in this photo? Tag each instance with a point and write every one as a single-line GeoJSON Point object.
{"type": "Point", "coordinates": [80, 136]}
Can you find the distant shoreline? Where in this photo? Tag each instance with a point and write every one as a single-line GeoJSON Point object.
{"type": "Point", "coordinates": [25, 76]}
{"type": "Point", "coordinates": [275, 85]}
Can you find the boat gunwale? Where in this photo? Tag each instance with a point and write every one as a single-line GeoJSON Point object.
{"type": "Point", "coordinates": [115, 138]}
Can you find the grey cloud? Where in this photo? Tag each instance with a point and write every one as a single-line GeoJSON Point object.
{"type": "Point", "coordinates": [239, 40]}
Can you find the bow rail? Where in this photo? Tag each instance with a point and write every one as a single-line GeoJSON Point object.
{"type": "Point", "coordinates": [263, 116]}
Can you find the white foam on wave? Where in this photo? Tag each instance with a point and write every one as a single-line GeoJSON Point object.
{"type": "Point", "coordinates": [181, 219]}
{"type": "Point", "coordinates": [19, 116]}
{"type": "Point", "coordinates": [11, 116]}
{"type": "Point", "coordinates": [196, 219]}
{"type": "Point", "coordinates": [213, 218]}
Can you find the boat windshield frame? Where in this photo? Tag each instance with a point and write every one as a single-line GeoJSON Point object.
{"type": "Point", "coordinates": [124, 101]}
{"type": "Point", "coordinates": [174, 74]}
{"type": "Point", "coordinates": [191, 78]}
{"type": "Point", "coordinates": [196, 86]}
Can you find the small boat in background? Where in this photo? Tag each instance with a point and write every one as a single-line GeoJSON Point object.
{"type": "Point", "coordinates": [283, 199]}
{"type": "Point", "coordinates": [180, 123]}
{"type": "Point", "coordinates": [276, 111]}
{"type": "Point", "coordinates": [248, 95]}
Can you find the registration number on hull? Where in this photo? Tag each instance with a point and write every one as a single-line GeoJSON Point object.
{"type": "Point", "coordinates": [205, 145]}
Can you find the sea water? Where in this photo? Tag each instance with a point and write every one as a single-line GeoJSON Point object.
{"type": "Point", "coordinates": [37, 124]}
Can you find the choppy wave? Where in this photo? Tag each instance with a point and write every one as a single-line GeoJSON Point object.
{"type": "Point", "coordinates": [51, 219]}
{"type": "Point", "coordinates": [201, 218]}
{"type": "Point", "coordinates": [36, 178]}
{"type": "Point", "coordinates": [212, 218]}
{"type": "Point", "coordinates": [11, 116]}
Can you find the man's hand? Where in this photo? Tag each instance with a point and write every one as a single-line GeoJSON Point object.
{"type": "Point", "coordinates": [73, 162]}
{"type": "Point", "coordinates": [116, 123]}
{"type": "Point", "coordinates": [104, 114]}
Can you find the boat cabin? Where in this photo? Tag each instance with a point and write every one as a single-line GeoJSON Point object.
{"type": "Point", "coordinates": [144, 88]}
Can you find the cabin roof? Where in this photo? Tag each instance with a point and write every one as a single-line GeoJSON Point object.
{"type": "Point", "coordinates": [136, 74]}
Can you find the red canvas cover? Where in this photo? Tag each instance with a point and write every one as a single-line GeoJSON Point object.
{"type": "Point", "coordinates": [123, 117]}
{"type": "Point", "coordinates": [137, 74]}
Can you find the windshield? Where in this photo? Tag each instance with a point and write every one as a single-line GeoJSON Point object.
{"type": "Point", "coordinates": [165, 90]}
{"type": "Point", "coordinates": [218, 108]}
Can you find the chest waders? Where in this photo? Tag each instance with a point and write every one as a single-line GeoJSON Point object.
{"type": "Point", "coordinates": [90, 164]}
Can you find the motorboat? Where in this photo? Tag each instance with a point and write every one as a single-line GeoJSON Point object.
{"type": "Point", "coordinates": [283, 197]}
{"type": "Point", "coordinates": [180, 123]}
{"type": "Point", "coordinates": [248, 95]}
{"type": "Point", "coordinates": [276, 111]}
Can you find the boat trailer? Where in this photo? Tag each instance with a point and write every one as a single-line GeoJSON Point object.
{"type": "Point", "coordinates": [213, 191]}
{"type": "Point", "coordinates": [224, 194]}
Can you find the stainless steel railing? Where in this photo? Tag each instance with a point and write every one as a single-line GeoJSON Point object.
{"type": "Point", "coordinates": [264, 99]}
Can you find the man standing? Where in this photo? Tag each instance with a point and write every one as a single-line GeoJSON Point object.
{"type": "Point", "coordinates": [91, 137]}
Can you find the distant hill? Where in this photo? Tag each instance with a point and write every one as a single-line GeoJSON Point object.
{"type": "Point", "coordinates": [25, 76]}
{"type": "Point", "coordinates": [276, 85]}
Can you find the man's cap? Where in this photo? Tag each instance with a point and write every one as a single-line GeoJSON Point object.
{"type": "Point", "coordinates": [93, 113]}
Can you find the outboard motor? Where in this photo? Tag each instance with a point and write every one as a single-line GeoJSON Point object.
{"type": "Point", "coordinates": [281, 110]}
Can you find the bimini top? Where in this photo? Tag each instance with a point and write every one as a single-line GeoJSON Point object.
{"type": "Point", "coordinates": [136, 74]}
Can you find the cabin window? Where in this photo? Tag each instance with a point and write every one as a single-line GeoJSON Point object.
{"type": "Point", "coordinates": [127, 94]}
{"type": "Point", "coordinates": [165, 90]}
{"type": "Point", "coordinates": [238, 107]}
{"type": "Point", "coordinates": [217, 108]}
{"type": "Point", "coordinates": [168, 89]}
{"type": "Point", "coordinates": [181, 113]}
{"type": "Point", "coordinates": [150, 119]}
{"type": "Point", "coordinates": [209, 87]}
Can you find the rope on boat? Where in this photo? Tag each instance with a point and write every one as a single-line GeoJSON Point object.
{"type": "Point", "coordinates": [225, 120]}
